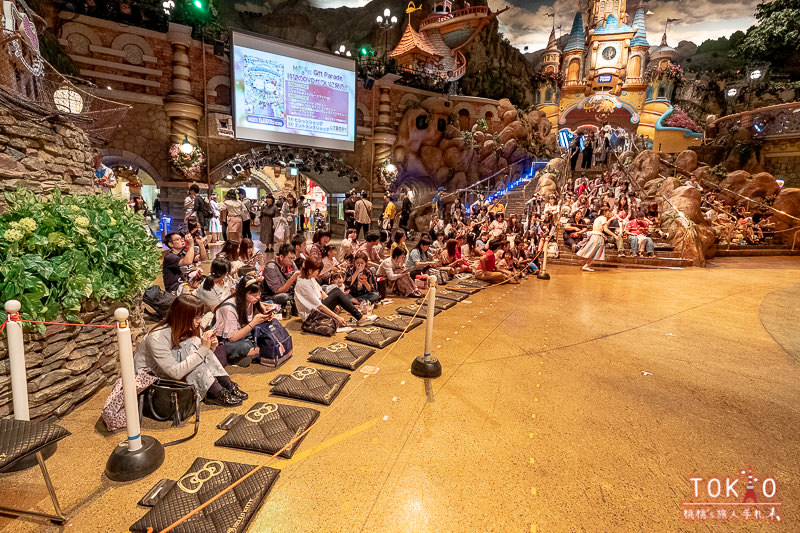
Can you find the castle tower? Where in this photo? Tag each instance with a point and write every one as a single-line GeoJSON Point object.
{"type": "Point", "coordinates": [574, 54]}
{"type": "Point", "coordinates": [551, 60]}
{"type": "Point", "coordinates": [664, 54]}
{"type": "Point", "coordinates": [599, 10]}
{"type": "Point", "coordinates": [639, 47]}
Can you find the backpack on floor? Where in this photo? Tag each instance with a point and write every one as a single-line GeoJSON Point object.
{"type": "Point", "coordinates": [273, 341]}
{"type": "Point", "coordinates": [157, 301]}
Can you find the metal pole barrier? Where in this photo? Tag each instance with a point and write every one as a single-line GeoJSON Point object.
{"type": "Point", "coordinates": [16, 359]}
{"type": "Point", "coordinates": [140, 455]}
{"type": "Point", "coordinates": [542, 274]}
{"type": "Point", "coordinates": [425, 366]}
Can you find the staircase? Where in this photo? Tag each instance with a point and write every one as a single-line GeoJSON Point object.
{"type": "Point", "coordinates": [754, 250]}
{"type": "Point", "coordinates": [666, 257]}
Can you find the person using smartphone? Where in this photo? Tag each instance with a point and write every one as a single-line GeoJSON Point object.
{"type": "Point", "coordinates": [237, 316]}
{"type": "Point", "coordinates": [176, 348]}
{"type": "Point", "coordinates": [397, 276]}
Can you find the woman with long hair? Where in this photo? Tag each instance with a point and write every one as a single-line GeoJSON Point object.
{"type": "Point", "coordinates": [230, 251]}
{"type": "Point", "coordinates": [249, 256]}
{"type": "Point", "coordinates": [399, 240]}
{"type": "Point", "coordinates": [176, 348]}
{"type": "Point", "coordinates": [310, 297]}
{"type": "Point", "coordinates": [398, 280]}
{"type": "Point", "coordinates": [360, 281]}
{"type": "Point", "coordinates": [237, 315]}
{"type": "Point", "coordinates": [289, 212]}
{"type": "Point", "coordinates": [595, 248]}
{"type": "Point", "coordinates": [218, 285]}
{"type": "Point", "coordinates": [451, 259]}
{"type": "Point", "coordinates": [267, 214]}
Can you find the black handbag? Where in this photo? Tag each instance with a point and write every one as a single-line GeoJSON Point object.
{"type": "Point", "coordinates": [168, 399]}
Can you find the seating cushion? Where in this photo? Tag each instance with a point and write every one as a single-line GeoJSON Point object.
{"type": "Point", "coordinates": [373, 336]}
{"type": "Point", "coordinates": [440, 303]}
{"type": "Point", "coordinates": [341, 354]}
{"type": "Point", "coordinates": [446, 294]}
{"type": "Point", "coordinates": [463, 288]}
{"type": "Point", "coordinates": [421, 311]}
{"type": "Point", "coordinates": [205, 479]}
{"type": "Point", "coordinates": [311, 384]}
{"type": "Point", "coordinates": [398, 322]}
{"type": "Point", "coordinates": [268, 427]}
{"type": "Point", "coordinates": [20, 438]}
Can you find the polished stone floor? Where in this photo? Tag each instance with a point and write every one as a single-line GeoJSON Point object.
{"type": "Point", "coordinates": [584, 403]}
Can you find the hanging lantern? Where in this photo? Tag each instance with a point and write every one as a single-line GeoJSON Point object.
{"type": "Point", "coordinates": [68, 100]}
{"type": "Point", "coordinates": [186, 145]}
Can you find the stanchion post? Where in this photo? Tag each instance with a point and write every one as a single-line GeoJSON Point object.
{"type": "Point", "coordinates": [425, 366]}
{"type": "Point", "coordinates": [140, 455]}
{"type": "Point", "coordinates": [542, 274]}
{"type": "Point", "coordinates": [16, 359]}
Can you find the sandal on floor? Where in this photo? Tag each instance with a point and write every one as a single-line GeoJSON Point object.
{"type": "Point", "coordinates": [587, 269]}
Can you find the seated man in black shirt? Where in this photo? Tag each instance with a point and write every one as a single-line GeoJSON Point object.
{"type": "Point", "coordinates": [280, 275]}
{"type": "Point", "coordinates": [180, 254]}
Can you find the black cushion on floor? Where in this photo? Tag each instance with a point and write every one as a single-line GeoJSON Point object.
{"type": "Point", "coordinates": [205, 479]}
{"type": "Point", "coordinates": [446, 294]}
{"type": "Point", "coordinates": [312, 384]}
{"type": "Point", "coordinates": [420, 311]}
{"type": "Point", "coordinates": [476, 283]}
{"type": "Point", "coordinates": [463, 288]}
{"type": "Point", "coordinates": [398, 322]}
{"type": "Point", "coordinates": [440, 304]}
{"type": "Point", "coordinates": [341, 354]}
{"type": "Point", "coordinates": [20, 438]}
{"type": "Point", "coordinates": [373, 336]}
{"type": "Point", "coordinates": [268, 427]}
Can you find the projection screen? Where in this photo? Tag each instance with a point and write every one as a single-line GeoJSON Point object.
{"type": "Point", "coordinates": [287, 94]}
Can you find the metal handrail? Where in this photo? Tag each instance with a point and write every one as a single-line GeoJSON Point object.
{"type": "Point", "coordinates": [454, 14]}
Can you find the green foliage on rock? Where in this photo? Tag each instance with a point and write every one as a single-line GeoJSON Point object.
{"type": "Point", "coordinates": [60, 251]}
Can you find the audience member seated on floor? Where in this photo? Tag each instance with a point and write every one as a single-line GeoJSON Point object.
{"type": "Point", "coordinates": [399, 240]}
{"type": "Point", "coordinates": [370, 248]}
{"type": "Point", "coordinates": [438, 244]}
{"type": "Point", "coordinates": [280, 276]}
{"type": "Point", "coordinates": [310, 297]}
{"type": "Point", "coordinates": [398, 280]}
{"type": "Point", "coordinates": [487, 271]}
{"type": "Point", "coordinates": [218, 285]}
{"type": "Point", "coordinates": [360, 281]}
{"type": "Point", "coordinates": [507, 265]}
{"type": "Point", "coordinates": [248, 255]}
{"type": "Point", "coordinates": [614, 232]}
{"type": "Point", "coordinates": [230, 251]}
{"type": "Point", "coordinates": [194, 279]}
{"type": "Point", "coordinates": [330, 264]}
{"type": "Point", "coordinates": [319, 241]}
{"type": "Point", "coordinates": [349, 244]}
{"type": "Point", "coordinates": [637, 230]}
{"type": "Point", "coordinates": [469, 250]}
{"type": "Point", "coordinates": [299, 247]}
{"type": "Point", "coordinates": [336, 282]}
{"type": "Point", "coordinates": [177, 260]}
{"type": "Point", "coordinates": [498, 227]}
{"type": "Point", "coordinates": [176, 348]}
{"type": "Point", "coordinates": [574, 231]}
{"type": "Point", "coordinates": [193, 228]}
{"type": "Point", "coordinates": [451, 260]}
{"type": "Point", "coordinates": [419, 260]}
{"type": "Point", "coordinates": [236, 317]}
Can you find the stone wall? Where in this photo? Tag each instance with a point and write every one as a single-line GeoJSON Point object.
{"type": "Point", "coordinates": [67, 365]}
{"type": "Point", "coordinates": [43, 156]}
{"type": "Point", "coordinates": [786, 168]}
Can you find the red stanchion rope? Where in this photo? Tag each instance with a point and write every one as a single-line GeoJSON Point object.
{"type": "Point", "coordinates": [16, 318]}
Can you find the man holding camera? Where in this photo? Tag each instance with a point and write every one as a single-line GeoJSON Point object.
{"type": "Point", "coordinates": [179, 258]}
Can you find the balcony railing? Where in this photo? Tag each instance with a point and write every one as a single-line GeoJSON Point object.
{"type": "Point", "coordinates": [767, 122]}
{"type": "Point", "coordinates": [455, 14]}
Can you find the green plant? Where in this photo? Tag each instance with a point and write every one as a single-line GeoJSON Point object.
{"type": "Point", "coordinates": [60, 251]}
{"type": "Point", "coordinates": [482, 125]}
{"type": "Point", "coordinates": [469, 139]}
{"type": "Point", "coordinates": [719, 171]}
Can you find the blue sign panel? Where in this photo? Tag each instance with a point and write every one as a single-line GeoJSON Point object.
{"type": "Point", "coordinates": [604, 78]}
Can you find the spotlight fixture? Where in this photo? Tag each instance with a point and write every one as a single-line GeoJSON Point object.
{"type": "Point", "coordinates": [237, 169]}
{"type": "Point", "coordinates": [186, 146]}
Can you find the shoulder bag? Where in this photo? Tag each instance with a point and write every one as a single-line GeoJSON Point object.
{"type": "Point", "coordinates": [168, 399]}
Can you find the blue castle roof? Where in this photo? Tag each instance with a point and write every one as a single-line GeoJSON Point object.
{"type": "Point", "coordinates": [613, 27]}
{"type": "Point", "coordinates": [640, 39]}
{"type": "Point", "coordinates": [577, 38]}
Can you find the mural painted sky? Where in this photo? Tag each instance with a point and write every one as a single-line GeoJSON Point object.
{"type": "Point", "coordinates": [527, 22]}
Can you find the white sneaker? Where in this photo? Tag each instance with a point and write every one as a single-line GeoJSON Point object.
{"type": "Point", "coordinates": [344, 329]}
{"type": "Point", "coordinates": [366, 320]}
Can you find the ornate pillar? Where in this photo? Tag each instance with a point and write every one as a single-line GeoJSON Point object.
{"type": "Point", "coordinates": [183, 110]}
{"type": "Point", "coordinates": [383, 136]}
